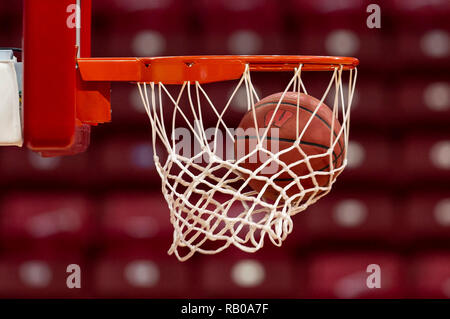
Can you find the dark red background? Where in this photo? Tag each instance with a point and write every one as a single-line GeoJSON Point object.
{"type": "Point", "coordinates": [104, 210]}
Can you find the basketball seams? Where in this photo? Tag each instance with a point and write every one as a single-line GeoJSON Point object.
{"type": "Point", "coordinates": [322, 159]}
{"type": "Point", "coordinates": [316, 143]}
{"type": "Point", "coordinates": [282, 139]}
{"type": "Point", "coordinates": [322, 169]}
{"type": "Point", "coordinates": [305, 109]}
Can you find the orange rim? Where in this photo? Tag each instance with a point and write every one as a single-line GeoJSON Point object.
{"type": "Point", "coordinates": [202, 69]}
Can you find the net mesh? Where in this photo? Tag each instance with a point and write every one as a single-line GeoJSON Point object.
{"type": "Point", "coordinates": [210, 201]}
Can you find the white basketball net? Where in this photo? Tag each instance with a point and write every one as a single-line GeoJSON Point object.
{"type": "Point", "coordinates": [211, 205]}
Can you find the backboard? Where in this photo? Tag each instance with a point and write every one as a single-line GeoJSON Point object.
{"type": "Point", "coordinates": [56, 33]}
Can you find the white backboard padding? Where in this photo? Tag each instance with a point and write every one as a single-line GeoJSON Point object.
{"type": "Point", "coordinates": [10, 113]}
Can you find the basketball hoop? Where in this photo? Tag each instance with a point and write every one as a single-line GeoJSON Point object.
{"type": "Point", "coordinates": [211, 204]}
{"type": "Point", "coordinates": [215, 201]}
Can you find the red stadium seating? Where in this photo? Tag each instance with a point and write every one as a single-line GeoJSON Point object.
{"type": "Point", "coordinates": [41, 274]}
{"type": "Point", "coordinates": [424, 44]}
{"type": "Point", "coordinates": [369, 158]}
{"type": "Point", "coordinates": [431, 275]}
{"type": "Point", "coordinates": [423, 101]}
{"type": "Point", "coordinates": [135, 217]}
{"type": "Point", "coordinates": [426, 157]}
{"type": "Point", "coordinates": [266, 274]}
{"type": "Point", "coordinates": [355, 217]}
{"type": "Point", "coordinates": [336, 28]}
{"type": "Point", "coordinates": [263, 15]}
{"type": "Point", "coordinates": [425, 9]}
{"type": "Point", "coordinates": [137, 28]}
{"type": "Point", "coordinates": [255, 27]}
{"type": "Point", "coordinates": [372, 105]}
{"type": "Point", "coordinates": [345, 275]}
{"type": "Point", "coordinates": [127, 106]}
{"type": "Point", "coordinates": [141, 272]}
{"type": "Point", "coordinates": [58, 220]}
{"type": "Point", "coordinates": [423, 48]}
{"type": "Point", "coordinates": [341, 41]}
{"type": "Point", "coordinates": [325, 7]}
{"type": "Point", "coordinates": [427, 217]}
{"type": "Point", "coordinates": [7, 9]}
{"type": "Point", "coordinates": [131, 160]}
{"type": "Point", "coordinates": [18, 165]}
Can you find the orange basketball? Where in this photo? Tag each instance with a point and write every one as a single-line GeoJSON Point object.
{"type": "Point", "coordinates": [316, 140]}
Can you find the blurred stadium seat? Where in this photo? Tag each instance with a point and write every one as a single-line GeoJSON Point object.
{"type": "Point", "coordinates": [128, 160]}
{"type": "Point", "coordinates": [426, 157]}
{"type": "Point", "coordinates": [427, 217]}
{"type": "Point", "coordinates": [255, 28]}
{"type": "Point", "coordinates": [61, 220]}
{"type": "Point", "coordinates": [424, 100]}
{"type": "Point", "coordinates": [431, 275]}
{"type": "Point", "coordinates": [141, 272]}
{"type": "Point", "coordinates": [429, 9]}
{"type": "Point", "coordinates": [369, 158]}
{"type": "Point", "coordinates": [423, 48]}
{"type": "Point", "coordinates": [353, 217]}
{"type": "Point", "coordinates": [266, 274]}
{"type": "Point", "coordinates": [345, 275]}
{"type": "Point", "coordinates": [372, 105]}
{"type": "Point", "coordinates": [329, 8]}
{"type": "Point", "coordinates": [424, 44]}
{"type": "Point", "coordinates": [149, 28]}
{"type": "Point", "coordinates": [335, 28]}
{"type": "Point", "coordinates": [128, 218]}
{"type": "Point", "coordinates": [11, 24]}
{"type": "Point", "coordinates": [128, 108]}
{"type": "Point", "coordinates": [40, 274]}
{"type": "Point", "coordinates": [18, 166]}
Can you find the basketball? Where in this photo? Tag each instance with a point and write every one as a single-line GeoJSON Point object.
{"type": "Point", "coordinates": [316, 140]}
